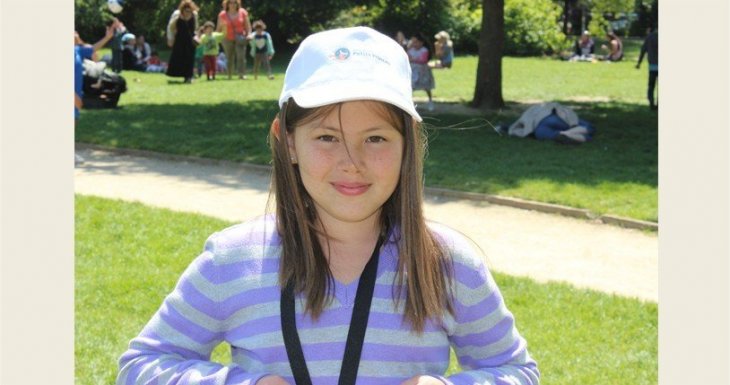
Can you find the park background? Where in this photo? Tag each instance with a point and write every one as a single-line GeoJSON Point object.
{"type": "Point", "coordinates": [614, 174]}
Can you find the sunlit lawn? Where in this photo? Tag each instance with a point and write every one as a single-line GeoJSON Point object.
{"type": "Point", "coordinates": [615, 174]}
{"type": "Point", "coordinates": [129, 256]}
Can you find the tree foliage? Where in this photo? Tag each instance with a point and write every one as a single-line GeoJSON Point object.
{"type": "Point", "coordinates": [532, 27]}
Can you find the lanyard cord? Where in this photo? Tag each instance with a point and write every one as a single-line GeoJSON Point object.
{"type": "Point", "coordinates": [355, 334]}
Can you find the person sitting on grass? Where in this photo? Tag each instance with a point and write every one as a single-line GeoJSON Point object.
{"type": "Point", "coordinates": [443, 50]}
{"type": "Point", "coordinates": [584, 48]}
{"type": "Point", "coordinates": [615, 48]}
{"type": "Point", "coordinates": [155, 64]}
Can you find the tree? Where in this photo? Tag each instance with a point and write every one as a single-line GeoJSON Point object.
{"type": "Point", "coordinates": [488, 90]}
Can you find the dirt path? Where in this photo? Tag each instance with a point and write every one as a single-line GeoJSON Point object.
{"type": "Point", "coordinates": [542, 246]}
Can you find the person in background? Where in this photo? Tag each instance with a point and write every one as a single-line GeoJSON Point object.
{"type": "Point", "coordinates": [142, 49]}
{"type": "Point", "coordinates": [84, 51]}
{"type": "Point", "coordinates": [443, 50]}
{"type": "Point", "coordinates": [615, 48]}
{"type": "Point", "coordinates": [209, 41]}
{"type": "Point", "coordinates": [117, 45]}
{"type": "Point", "coordinates": [182, 57]}
{"type": "Point", "coordinates": [584, 49]}
{"type": "Point", "coordinates": [199, 53]}
{"type": "Point", "coordinates": [262, 49]}
{"type": "Point", "coordinates": [154, 64]}
{"type": "Point", "coordinates": [234, 22]}
{"type": "Point", "coordinates": [651, 49]}
{"type": "Point", "coordinates": [222, 62]}
{"type": "Point", "coordinates": [130, 60]}
{"type": "Point", "coordinates": [421, 75]}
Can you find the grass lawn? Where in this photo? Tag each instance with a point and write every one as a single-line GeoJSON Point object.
{"type": "Point", "coordinates": [129, 256]}
{"type": "Point", "coordinates": [615, 174]}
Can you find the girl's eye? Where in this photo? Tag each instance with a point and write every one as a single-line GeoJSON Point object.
{"type": "Point", "coordinates": [376, 139]}
{"type": "Point", "coordinates": [326, 138]}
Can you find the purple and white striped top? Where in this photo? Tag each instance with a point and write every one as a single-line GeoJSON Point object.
{"type": "Point", "coordinates": [230, 293]}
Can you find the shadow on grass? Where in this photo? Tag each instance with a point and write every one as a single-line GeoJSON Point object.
{"type": "Point", "coordinates": [623, 152]}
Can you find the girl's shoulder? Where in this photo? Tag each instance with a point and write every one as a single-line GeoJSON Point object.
{"type": "Point", "coordinates": [245, 240]}
{"type": "Point", "coordinates": [462, 249]}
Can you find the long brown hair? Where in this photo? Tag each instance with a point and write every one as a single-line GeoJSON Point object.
{"type": "Point", "coordinates": [425, 269]}
{"type": "Point", "coordinates": [187, 4]}
{"type": "Point", "coordinates": [224, 4]}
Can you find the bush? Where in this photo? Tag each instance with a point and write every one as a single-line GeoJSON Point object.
{"type": "Point", "coordinates": [531, 28]}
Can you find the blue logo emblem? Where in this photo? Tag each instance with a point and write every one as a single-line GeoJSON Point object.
{"type": "Point", "coordinates": [342, 54]}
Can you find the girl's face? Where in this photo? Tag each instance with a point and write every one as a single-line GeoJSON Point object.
{"type": "Point", "coordinates": [349, 161]}
{"type": "Point", "coordinates": [416, 43]}
{"type": "Point", "coordinates": [232, 5]}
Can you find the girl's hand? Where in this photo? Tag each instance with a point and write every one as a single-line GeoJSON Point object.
{"type": "Point", "coordinates": [271, 380]}
{"type": "Point", "coordinates": [422, 380]}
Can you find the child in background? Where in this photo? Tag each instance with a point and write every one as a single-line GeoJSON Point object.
{"type": "Point", "coordinates": [209, 41]}
{"type": "Point", "coordinates": [199, 52]}
{"type": "Point", "coordinates": [154, 64]}
{"type": "Point", "coordinates": [222, 62]}
{"type": "Point", "coordinates": [421, 75]}
{"type": "Point", "coordinates": [262, 48]}
{"type": "Point", "coordinates": [346, 278]}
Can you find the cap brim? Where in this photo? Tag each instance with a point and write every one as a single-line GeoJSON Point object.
{"type": "Point", "coordinates": [321, 95]}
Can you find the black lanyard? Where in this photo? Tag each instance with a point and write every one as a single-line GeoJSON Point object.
{"type": "Point", "coordinates": [355, 335]}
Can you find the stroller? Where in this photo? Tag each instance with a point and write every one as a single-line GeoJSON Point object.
{"type": "Point", "coordinates": [102, 88]}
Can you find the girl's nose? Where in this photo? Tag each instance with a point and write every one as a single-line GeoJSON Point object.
{"type": "Point", "coordinates": [351, 158]}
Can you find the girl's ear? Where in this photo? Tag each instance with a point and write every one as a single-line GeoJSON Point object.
{"type": "Point", "coordinates": [275, 128]}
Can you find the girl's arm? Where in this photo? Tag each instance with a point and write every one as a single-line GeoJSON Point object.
{"type": "Point", "coordinates": [482, 332]}
{"type": "Point", "coordinates": [175, 345]}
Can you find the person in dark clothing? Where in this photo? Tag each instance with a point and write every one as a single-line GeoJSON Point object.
{"type": "Point", "coordinates": [182, 58]}
{"type": "Point", "coordinates": [651, 49]}
{"type": "Point", "coordinates": [130, 61]}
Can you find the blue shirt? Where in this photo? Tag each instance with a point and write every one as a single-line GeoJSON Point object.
{"type": "Point", "coordinates": [81, 52]}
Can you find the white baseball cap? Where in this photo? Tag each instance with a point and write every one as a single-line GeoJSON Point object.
{"type": "Point", "coordinates": [348, 64]}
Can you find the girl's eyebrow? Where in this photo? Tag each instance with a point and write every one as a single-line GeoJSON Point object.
{"type": "Point", "coordinates": [370, 129]}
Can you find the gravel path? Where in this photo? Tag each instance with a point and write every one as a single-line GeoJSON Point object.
{"type": "Point", "coordinates": [519, 242]}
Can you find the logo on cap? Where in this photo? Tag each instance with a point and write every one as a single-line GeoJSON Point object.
{"type": "Point", "coordinates": [341, 54]}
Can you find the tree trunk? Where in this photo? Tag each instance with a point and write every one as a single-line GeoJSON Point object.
{"type": "Point", "coordinates": [488, 90]}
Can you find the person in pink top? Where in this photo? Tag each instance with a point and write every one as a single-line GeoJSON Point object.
{"type": "Point", "coordinates": [234, 22]}
{"type": "Point", "coordinates": [421, 75]}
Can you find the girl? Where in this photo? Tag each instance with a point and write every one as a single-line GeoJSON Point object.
{"type": "Point", "coordinates": [422, 77]}
{"type": "Point", "coordinates": [346, 281]}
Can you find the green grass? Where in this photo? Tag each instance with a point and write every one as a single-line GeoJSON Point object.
{"type": "Point", "coordinates": [129, 256]}
{"type": "Point", "coordinates": [615, 174]}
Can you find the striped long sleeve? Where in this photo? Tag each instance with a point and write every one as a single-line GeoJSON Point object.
{"type": "Point", "coordinates": [230, 294]}
{"type": "Point", "coordinates": [175, 345]}
{"type": "Point", "coordinates": [482, 332]}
